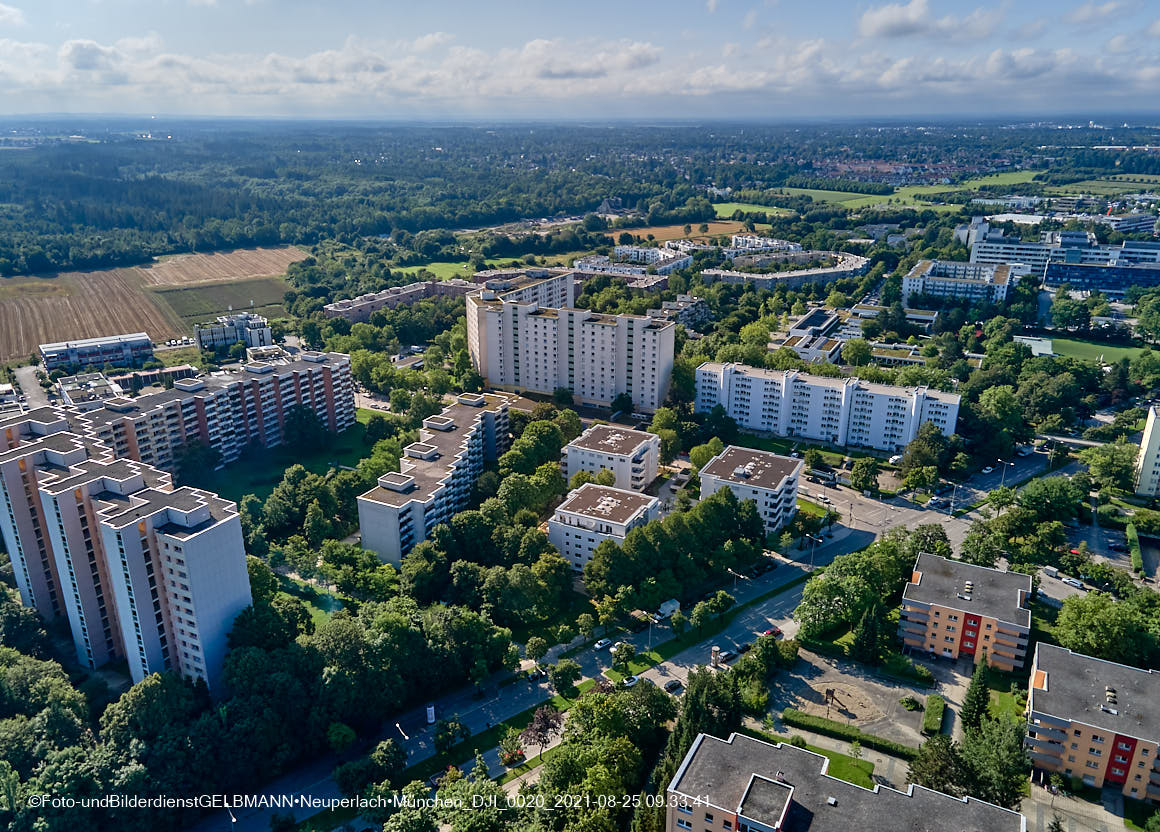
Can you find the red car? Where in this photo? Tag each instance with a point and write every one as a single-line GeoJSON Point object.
{"type": "Point", "coordinates": [774, 631]}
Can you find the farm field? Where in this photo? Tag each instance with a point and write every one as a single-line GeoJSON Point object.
{"type": "Point", "coordinates": [197, 303]}
{"type": "Point", "coordinates": [215, 266]}
{"type": "Point", "coordinates": [661, 233]}
{"type": "Point", "coordinates": [1092, 350]}
{"type": "Point", "coordinates": [726, 209]}
{"type": "Point", "coordinates": [1111, 185]}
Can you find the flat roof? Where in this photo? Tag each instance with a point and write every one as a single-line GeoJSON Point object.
{"type": "Point", "coordinates": [1074, 687]}
{"type": "Point", "coordinates": [611, 439]}
{"type": "Point", "coordinates": [725, 772]}
{"type": "Point", "coordinates": [994, 593]}
{"type": "Point", "coordinates": [796, 376]}
{"type": "Point", "coordinates": [746, 466]}
{"type": "Point", "coordinates": [603, 502]}
{"type": "Point", "coordinates": [98, 341]}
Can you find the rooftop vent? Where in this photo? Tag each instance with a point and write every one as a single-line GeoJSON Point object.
{"type": "Point", "coordinates": [833, 801]}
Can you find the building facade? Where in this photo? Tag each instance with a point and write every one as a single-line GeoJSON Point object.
{"type": "Point", "coordinates": [742, 784]}
{"type": "Point", "coordinates": [769, 479]}
{"type": "Point", "coordinates": [116, 350]}
{"type": "Point", "coordinates": [632, 455]}
{"type": "Point", "coordinates": [594, 513]}
{"type": "Point", "coordinates": [524, 335]}
{"type": "Point", "coordinates": [848, 265]}
{"type": "Point", "coordinates": [141, 571]}
{"type": "Point", "coordinates": [955, 610]}
{"type": "Point", "coordinates": [243, 327]}
{"type": "Point", "coordinates": [1095, 720]}
{"type": "Point", "coordinates": [436, 475]}
{"type": "Point", "coordinates": [1148, 460]}
{"type": "Point", "coordinates": [970, 281]}
{"type": "Point", "coordinates": [842, 411]}
{"type": "Point", "coordinates": [360, 309]}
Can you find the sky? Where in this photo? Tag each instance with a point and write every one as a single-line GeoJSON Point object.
{"type": "Point", "coordinates": [638, 59]}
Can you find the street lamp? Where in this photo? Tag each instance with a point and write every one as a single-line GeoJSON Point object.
{"type": "Point", "coordinates": [1003, 478]}
{"type": "Point", "coordinates": [813, 547]}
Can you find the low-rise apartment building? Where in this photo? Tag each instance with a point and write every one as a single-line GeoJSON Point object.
{"type": "Point", "coordinates": [955, 609]}
{"type": "Point", "coordinates": [116, 350]}
{"type": "Point", "coordinates": [360, 309]}
{"type": "Point", "coordinates": [846, 265]}
{"type": "Point", "coordinates": [842, 411]}
{"type": "Point", "coordinates": [594, 513]}
{"type": "Point", "coordinates": [742, 784]}
{"type": "Point", "coordinates": [632, 455]}
{"type": "Point", "coordinates": [971, 281]}
{"type": "Point", "coordinates": [1148, 460]}
{"type": "Point", "coordinates": [1095, 720]}
{"type": "Point", "coordinates": [688, 310]}
{"type": "Point", "coordinates": [769, 479]}
{"type": "Point", "coordinates": [86, 391]}
{"type": "Point", "coordinates": [437, 473]}
{"type": "Point", "coordinates": [227, 330]}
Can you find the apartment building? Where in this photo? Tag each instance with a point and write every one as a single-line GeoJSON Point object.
{"type": "Point", "coordinates": [662, 260]}
{"type": "Point", "coordinates": [1095, 720]}
{"type": "Point", "coordinates": [847, 265]}
{"type": "Point", "coordinates": [688, 310]}
{"type": "Point", "coordinates": [594, 513]}
{"type": "Point", "coordinates": [742, 784]}
{"type": "Point", "coordinates": [227, 411]}
{"type": "Point", "coordinates": [437, 473]}
{"type": "Point", "coordinates": [632, 455]}
{"type": "Point", "coordinates": [1148, 460]}
{"type": "Point", "coordinates": [86, 391]}
{"type": "Point", "coordinates": [524, 335]}
{"type": "Point", "coordinates": [117, 350]}
{"type": "Point", "coordinates": [974, 282]}
{"type": "Point", "coordinates": [955, 609]}
{"type": "Point", "coordinates": [842, 411]}
{"type": "Point", "coordinates": [244, 327]}
{"type": "Point", "coordinates": [360, 309]}
{"type": "Point", "coordinates": [141, 571]}
{"type": "Point", "coordinates": [753, 243]}
{"type": "Point", "coordinates": [769, 479]}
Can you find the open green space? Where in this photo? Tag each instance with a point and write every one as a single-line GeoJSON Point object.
{"type": "Point", "coordinates": [842, 766]}
{"type": "Point", "coordinates": [180, 355]}
{"type": "Point", "coordinates": [443, 270]}
{"type": "Point", "coordinates": [1109, 185]}
{"type": "Point", "coordinates": [321, 603]}
{"type": "Point", "coordinates": [1092, 350]}
{"type": "Point", "coordinates": [725, 210]}
{"type": "Point", "coordinates": [194, 304]}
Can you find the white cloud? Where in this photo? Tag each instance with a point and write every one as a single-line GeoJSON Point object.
{"type": "Point", "coordinates": [896, 20]}
{"type": "Point", "coordinates": [711, 5]}
{"type": "Point", "coordinates": [750, 19]}
{"type": "Point", "coordinates": [1119, 44]}
{"type": "Point", "coordinates": [10, 16]}
{"type": "Point", "coordinates": [1032, 29]}
{"type": "Point", "coordinates": [1093, 12]}
{"type": "Point", "coordinates": [1154, 29]}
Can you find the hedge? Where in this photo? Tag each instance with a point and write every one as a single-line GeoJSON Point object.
{"type": "Point", "coordinates": [842, 731]}
{"type": "Point", "coordinates": [1134, 548]}
{"type": "Point", "coordinates": [932, 720]}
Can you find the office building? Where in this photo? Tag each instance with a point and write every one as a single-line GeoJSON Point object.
{"type": "Point", "coordinates": [142, 571]}
{"type": "Point", "coordinates": [1095, 720]}
{"type": "Point", "coordinates": [594, 513]}
{"type": "Point", "coordinates": [524, 335]}
{"type": "Point", "coordinates": [841, 411]}
{"type": "Point", "coordinates": [1108, 280]}
{"type": "Point", "coordinates": [769, 479]}
{"type": "Point", "coordinates": [631, 455]}
{"type": "Point", "coordinates": [87, 391]}
{"type": "Point", "coordinates": [242, 327]}
{"type": "Point", "coordinates": [744, 784]}
{"type": "Point", "coordinates": [1148, 460]}
{"type": "Point", "coordinates": [1076, 247]}
{"type": "Point", "coordinates": [360, 309]}
{"type": "Point", "coordinates": [227, 411]}
{"type": "Point", "coordinates": [115, 350]}
{"type": "Point", "coordinates": [973, 282]}
{"type": "Point", "coordinates": [1136, 222]}
{"type": "Point", "coordinates": [437, 473]}
{"type": "Point", "coordinates": [955, 609]}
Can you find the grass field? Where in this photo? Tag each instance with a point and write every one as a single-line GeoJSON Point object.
{"type": "Point", "coordinates": [661, 233]}
{"type": "Point", "coordinates": [726, 209]}
{"type": "Point", "coordinates": [443, 270]}
{"type": "Point", "coordinates": [179, 356]}
{"type": "Point", "coordinates": [194, 304]}
{"type": "Point", "coordinates": [321, 604]}
{"type": "Point", "coordinates": [1074, 348]}
{"type": "Point", "coordinates": [1122, 183]}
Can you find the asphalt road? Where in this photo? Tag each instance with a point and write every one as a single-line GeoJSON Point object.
{"type": "Point", "coordinates": [30, 387]}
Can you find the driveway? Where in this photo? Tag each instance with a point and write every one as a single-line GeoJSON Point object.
{"type": "Point", "coordinates": [30, 387]}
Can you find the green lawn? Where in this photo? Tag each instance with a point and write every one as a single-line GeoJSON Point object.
{"type": "Point", "coordinates": [322, 604]}
{"type": "Point", "coordinates": [179, 356]}
{"type": "Point", "coordinates": [725, 209]}
{"type": "Point", "coordinates": [1003, 703]}
{"type": "Point", "coordinates": [810, 507]}
{"type": "Point", "coordinates": [842, 766]}
{"type": "Point", "coordinates": [444, 270]}
{"type": "Point", "coordinates": [1092, 350]}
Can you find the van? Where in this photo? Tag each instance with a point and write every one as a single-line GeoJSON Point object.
{"type": "Point", "coordinates": [1051, 571]}
{"type": "Point", "coordinates": [894, 460]}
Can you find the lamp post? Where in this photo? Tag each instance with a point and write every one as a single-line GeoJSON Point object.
{"type": "Point", "coordinates": [1003, 478]}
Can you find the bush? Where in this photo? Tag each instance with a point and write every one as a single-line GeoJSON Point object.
{"type": "Point", "coordinates": [1134, 549]}
{"type": "Point", "coordinates": [907, 668]}
{"type": "Point", "coordinates": [910, 703]}
{"type": "Point", "coordinates": [841, 731]}
{"type": "Point", "coordinates": [1109, 515]}
{"type": "Point", "coordinates": [932, 720]}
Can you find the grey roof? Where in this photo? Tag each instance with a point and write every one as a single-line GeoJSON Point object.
{"type": "Point", "coordinates": [995, 593]}
{"type": "Point", "coordinates": [1076, 685]}
{"type": "Point", "coordinates": [762, 469]}
{"type": "Point", "coordinates": [721, 771]}
{"type": "Point", "coordinates": [604, 502]}
{"type": "Point", "coordinates": [611, 439]}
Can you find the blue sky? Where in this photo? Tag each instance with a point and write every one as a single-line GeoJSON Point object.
{"type": "Point", "coordinates": [762, 59]}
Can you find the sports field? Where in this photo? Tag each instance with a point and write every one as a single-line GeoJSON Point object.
{"type": "Point", "coordinates": [1092, 350]}
{"type": "Point", "coordinates": [1127, 183]}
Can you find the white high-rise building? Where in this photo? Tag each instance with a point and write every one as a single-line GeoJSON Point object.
{"type": "Point", "coordinates": [842, 411]}
{"type": "Point", "coordinates": [632, 455]}
{"type": "Point", "coordinates": [142, 571]}
{"type": "Point", "coordinates": [437, 474]}
{"type": "Point", "coordinates": [594, 513]}
{"type": "Point", "coordinates": [524, 335]}
{"type": "Point", "coordinates": [769, 479]}
{"type": "Point", "coordinates": [1148, 462]}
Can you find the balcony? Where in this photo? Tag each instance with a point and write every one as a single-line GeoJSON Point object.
{"type": "Point", "coordinates": [1044, 746]}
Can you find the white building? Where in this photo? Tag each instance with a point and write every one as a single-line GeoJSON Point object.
{"type": "Point", "coordinates": [437, 474]}
{"type": "Point", "coordinates": [245, 327]}
{"type": "Point", "coordinates": [1072, 247]}
{"type": "Point", "coordinates": [662, 260]}
{"type": "Point", "coordinates": [359, 309]}
{"type": "Point", "coordinates": [524, 335]}
{"type": "Point", "coordinates": [753, 243]}
{"type": "Point", "coordinates": [842, 411]}
{"type": "Point", "coordinates": [972, 281]}
{"type": "Point", "coordinates": [632, 455]}
{"type": "Point", "coordinates": [594, 513]}
{"type": "Point", "coordinates": [769, 479]}
{"type": "Point", "coordinates": [847, 265]}
{"type": "Point", "coordinates": [1148, 462]}
{"type": "Point", "coordinates": [87, 391]}
{"type": "Point", "coordinates": [117, 350]}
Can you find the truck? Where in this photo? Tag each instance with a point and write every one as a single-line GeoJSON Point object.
{"type": "Point", "coordinates": [823, 476]}
{"type": "Point", "coordinates": [667, 609]}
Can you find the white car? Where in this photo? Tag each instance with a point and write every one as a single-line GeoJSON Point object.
{"type": "Point", "coordinates": [988, 470]}
{"type": "Point", "coordinates": [1073, 582]}
{"type": "Point", "coordinates": [604, 642]}
{"type": "Point", "coordinates": [630, 681]}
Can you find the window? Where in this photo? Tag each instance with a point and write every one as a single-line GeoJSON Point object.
{"type": "Point", "coordinates": [684, 810]}
{"type": "Point", "coordinates": [708, 817]}
{"type": "Point", "coordinates": [684, 824]}
{"type": "Point", "coordinates": [1091, 764]}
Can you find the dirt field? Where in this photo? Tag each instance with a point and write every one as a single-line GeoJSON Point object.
{"type": "Point", "coordinates": [241, 264]}
{"type": "Point", "coordinates": [677, 232]}
{"type": "Point", "coordinates": [39, 310]}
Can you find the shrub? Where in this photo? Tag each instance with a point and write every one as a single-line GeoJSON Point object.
{"type": "Point", "coordinates": [910, 703]}
{"type": "Point", "coordinates": [1134, 548]}
{"type": "Point", "coordinates": [907, 668]}
{"type": "Point", "coordinates": [839, 730]}
{"type": "Point", "coordinates": [932, 720]}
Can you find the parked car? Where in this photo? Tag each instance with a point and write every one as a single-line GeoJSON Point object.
{"type": "Point", "coordinates": [988, 470]}
{"type": "Point", "coordinates": [727, 655]}
{"type": "Point", "coordinates": [603, 643]}
{"type": "Point", "coordinates": [629, 681]}
{"type": "Point", "coordinates": [774, 631]}
{"type": "Point", "coordinates": [672, 686]}
{"type": "Point", "coordinates": [1073, 582]}
{"type": "Point", "coordinates": [745, 647]}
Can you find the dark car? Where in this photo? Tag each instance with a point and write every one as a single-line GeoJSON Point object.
{"type": "Point", "coordinates": [727, 655]}
{"type": "Point", "coordinates": [745, 648]}
{"type": "Point", "coordinates": [672, 686]}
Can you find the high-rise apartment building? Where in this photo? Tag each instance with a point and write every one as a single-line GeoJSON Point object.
{"type": "Point", "coordinates": [437, 474]}
{"type": "Point", "coordinates": [769, 479]}
{"type": "Point", "coordinates": [1148, 460]}
{"type": "Point", "coordinates": [142, 571]}
{"type": "Point", "coordinates": [524, 335]}
{"type": "Point", "coordinates": [632, 455]}
{"type": "Point", "coordinates": [842, 411]}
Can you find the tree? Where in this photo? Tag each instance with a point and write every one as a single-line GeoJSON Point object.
{"type": "Point", "coordinates": [981, 547]}
{"type": "Point", "coordinates": [448, 732]}
{"type": "Point", "coordinates": [864, 475]}
{"type": "Point", "coordinates": [813, 458]}
{"type": "Point", "coordinates": [340, 736]}
{"type": "Point", "coordinates": [562, 397]}
{"type": "Point", "coordinates": [857, 352]}
{"type": "Point", "coordinates": [303, 430]}
{"type": "Point", "coordinates": [1098, 625]}
{"type": "Point", "coordinates": [978, 696]}
{"type": "Point", "coordinates": [936, 765]}
{"type": "Point", "coordinates": [622, 658]}
{"type": "Point", "coordinates": [1056, 825]}
{"type": "Point", "coordinates": [1113, 465]}
{"type": "Point", "coordinates": [622, 403]}
{"type": "Point", "coordinates": [546, 723]}
{"type": "Point", "coordinates": [586, 624]}
{"type": "Point", "coordinates": [563, 675]}
{"type": "Point", "coordinates": [870, 640]}
{"type": "Point", "coordinates": [700, 615]}
{"type": "Point", "coordinates": [1153, 824]}
{"type": "Point", "coordinates": [700, 455]}
{"type": "Point", "coordinates": [536, 648]}
{"type": "Point", "coordinates": [679, 623]}
{"type": "Point", "coordinates": [994, 762]}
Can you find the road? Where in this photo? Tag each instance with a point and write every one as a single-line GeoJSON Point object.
{"type": "Point", "coordinates": [30, 387]}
